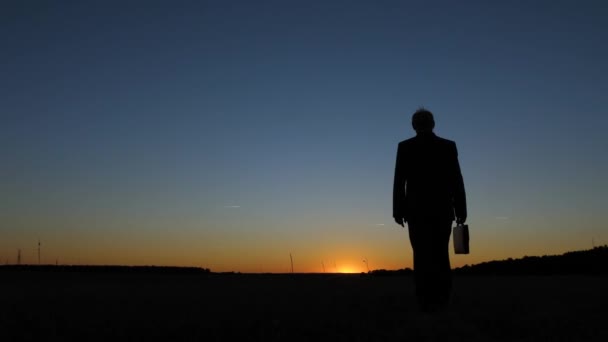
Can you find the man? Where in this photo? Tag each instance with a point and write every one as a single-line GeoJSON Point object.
{"type": "Point", "coordinates": [428, 194]}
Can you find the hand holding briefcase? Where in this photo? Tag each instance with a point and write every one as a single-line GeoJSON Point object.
{"type": "Point", "coordinates": [461, 239]}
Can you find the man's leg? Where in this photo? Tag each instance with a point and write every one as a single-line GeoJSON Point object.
{"type": "Point", "coordinates": [432, 272]}
{"type": "Point", "coordinates": [441, 263]}
{"type": "Point", "coordinates": [422, 262]}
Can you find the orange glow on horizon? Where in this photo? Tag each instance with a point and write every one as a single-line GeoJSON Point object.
{"type": "Point", "coordinates": [348, 269]}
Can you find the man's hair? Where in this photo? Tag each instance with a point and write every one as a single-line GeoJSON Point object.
{"type": "Point", "coordinates": [422, 120]}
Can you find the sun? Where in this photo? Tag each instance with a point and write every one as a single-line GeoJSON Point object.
{"type": "Point", "coordinates": [347, 269]}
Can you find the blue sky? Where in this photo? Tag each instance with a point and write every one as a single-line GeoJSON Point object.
{"type": "Point", "coordinates": [130, 132]}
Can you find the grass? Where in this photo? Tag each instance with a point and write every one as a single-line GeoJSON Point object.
{"type": "Point", "coordinates": [133, 307]}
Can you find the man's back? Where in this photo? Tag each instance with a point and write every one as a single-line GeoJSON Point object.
{"type": "Point", "coordinates": [428, 182]}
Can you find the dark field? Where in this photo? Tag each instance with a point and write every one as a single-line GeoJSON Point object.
{"type": "Point", "coordinates": [42, 306]}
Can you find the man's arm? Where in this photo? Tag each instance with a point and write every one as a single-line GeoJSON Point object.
{"type": "Point", "coordinates": [460, 198]}
{"type": "Point", "coordinates": [399, 189]}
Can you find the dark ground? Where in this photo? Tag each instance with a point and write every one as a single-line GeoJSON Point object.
{"type": "Point", "coordinates": [60, 306]}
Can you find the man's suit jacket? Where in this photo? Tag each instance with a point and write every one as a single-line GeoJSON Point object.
{"type": "Point", "coordinates": [428, 183]}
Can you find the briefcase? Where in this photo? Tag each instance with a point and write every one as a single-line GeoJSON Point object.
{"type": "Point", "coordinates": [461, 239]}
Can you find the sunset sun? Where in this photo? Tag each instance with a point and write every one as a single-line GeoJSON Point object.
{"type": "Point", "coordinates": [347, 269]}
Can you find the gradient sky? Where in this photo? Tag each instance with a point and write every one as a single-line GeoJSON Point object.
{"type": "Point", "coordinates": [228, 134]}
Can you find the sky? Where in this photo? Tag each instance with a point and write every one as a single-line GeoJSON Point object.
{"type": "Point", "coordinates": [231, 134]}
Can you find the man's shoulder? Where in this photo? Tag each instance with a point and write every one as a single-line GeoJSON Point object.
{"type": "Point", "coordinates": [407, 141]}
{"type": "Point", "coordinates": [437, 139]}
{"type": "Point", "coordinates": [445, 141]}
{"type": "Point", "coordinates": [406, 145]}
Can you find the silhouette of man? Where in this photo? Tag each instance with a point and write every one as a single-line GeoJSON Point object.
{"type": "Point", "coordinates": [428, 194]}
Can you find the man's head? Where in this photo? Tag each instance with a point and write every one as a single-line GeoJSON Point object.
{"type": "Point", "coordinates": [422, 121]}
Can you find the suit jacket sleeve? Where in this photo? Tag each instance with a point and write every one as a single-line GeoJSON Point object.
{"type": "Point", "coordinates": [399, 185]}
{"type": "Point", "coordinates": [460, 199]}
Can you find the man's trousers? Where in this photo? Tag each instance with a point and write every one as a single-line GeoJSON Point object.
{"type": "Point", "coordinates": [430, 240]}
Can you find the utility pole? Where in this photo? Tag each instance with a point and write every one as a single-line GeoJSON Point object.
{"type": "Point", "coordinates": [322, 264]}
{"type": "Point", "coordinates": [39, 252]}
{"type": "Point", "coordinates": [19, 257]}
{"type": "Point", "coordinates": [291, 258]}
{"type": "Point", "coordinates": [366, 264]}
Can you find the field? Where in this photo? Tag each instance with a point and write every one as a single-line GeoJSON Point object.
{"type": "Point", "coordinates": [60, 306]}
